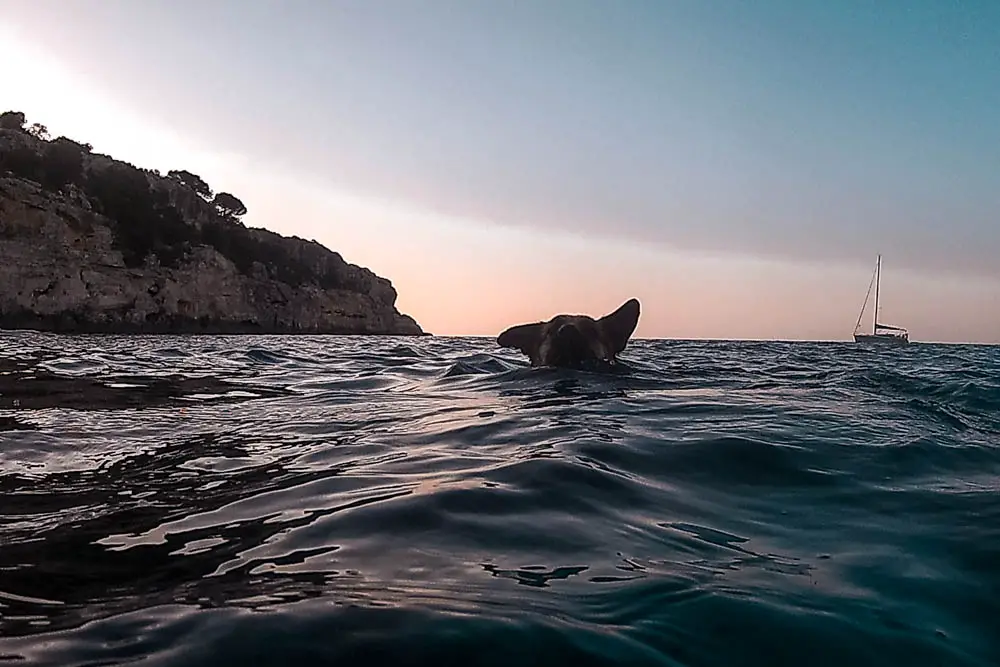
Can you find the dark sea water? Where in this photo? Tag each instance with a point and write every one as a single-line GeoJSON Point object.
{"type": "Point", "coordinates": [330, 501]}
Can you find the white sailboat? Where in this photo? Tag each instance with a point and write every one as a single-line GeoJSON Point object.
{"type": "Point", "coordinates": [882, 334]}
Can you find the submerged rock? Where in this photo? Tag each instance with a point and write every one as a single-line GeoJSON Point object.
{"type": "Point", "coordinates": [92, 244]}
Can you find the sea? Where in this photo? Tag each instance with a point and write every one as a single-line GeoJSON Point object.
{"type": "Point", "coordinates": [314, 500]}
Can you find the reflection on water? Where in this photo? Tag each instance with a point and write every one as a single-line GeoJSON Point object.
{"type": "Point", "coordinates": [437, 499]}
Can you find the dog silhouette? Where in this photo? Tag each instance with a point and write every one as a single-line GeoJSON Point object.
{"type": "Point", "coordinates": [573, 341]}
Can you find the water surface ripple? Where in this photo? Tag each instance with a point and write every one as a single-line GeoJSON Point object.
{"type": "Point", "coordinates": [319, 500]}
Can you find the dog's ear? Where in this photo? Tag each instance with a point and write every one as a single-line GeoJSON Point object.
{"type": "Point", "coordinates": [524, 337]}
{"type": "Point", "coordinates": [619, 325]}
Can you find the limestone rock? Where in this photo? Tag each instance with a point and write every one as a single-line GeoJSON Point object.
{"type": "Point", "coordinates": [69, 263]}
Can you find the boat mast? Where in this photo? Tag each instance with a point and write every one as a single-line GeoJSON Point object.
{"type": "Point", "coordinates": [878, 279]}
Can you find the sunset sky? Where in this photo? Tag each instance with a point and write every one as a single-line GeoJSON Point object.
{"type": "Point", "coordinates": [735, 166]}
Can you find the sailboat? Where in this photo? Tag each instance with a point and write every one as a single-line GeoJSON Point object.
{"type": "Point", "coordinates": [882, 334]}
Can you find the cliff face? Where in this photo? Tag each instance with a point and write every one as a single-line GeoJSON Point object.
{"type": "Point", "coordinates": [90, 244]}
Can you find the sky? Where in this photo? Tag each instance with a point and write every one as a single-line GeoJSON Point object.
{"type": "Point", "coordinates": [734, 166]}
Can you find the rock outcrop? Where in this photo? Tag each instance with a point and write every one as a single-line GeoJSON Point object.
{"type": "Point", "coordinates": [91, 244]}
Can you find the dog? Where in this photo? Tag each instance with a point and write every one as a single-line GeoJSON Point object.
{"type": "Point", "coordinates": [574, 341]}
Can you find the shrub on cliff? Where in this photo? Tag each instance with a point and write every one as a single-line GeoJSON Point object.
{"type": "Point", "coordinates": [22, 161]}
{"type": "Point", "coordinates": [62, 163]}
{"type": "Point", "coordinates": [12, 120]}
{"type": "Point", "coordinates": [144, 220]}
{"type": "Point", "coordinates": [193, 181]}
{"type": "Point", "coordinates": [38, 131]}
{"type": "Point", "coordinates": [53, 165]}
{"type": "Point", "coordinates": [228, 205]}
{"type": "Point", "coordinates": [244, 247]}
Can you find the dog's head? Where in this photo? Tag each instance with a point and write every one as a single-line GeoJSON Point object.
{"type": "Point", "coordinates": [574, 340]}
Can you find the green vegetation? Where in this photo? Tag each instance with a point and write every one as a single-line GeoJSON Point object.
{"type": "Point", "coordinates": [228, 205]}
{"type": "Point", "coordinates": [192, 181]}
{"type": "Point", "coordinates": [138, 202]}
{"type": "Point", "coordinates": [145, 222]}
{"type": "Point", "coordinates": [12, 120]}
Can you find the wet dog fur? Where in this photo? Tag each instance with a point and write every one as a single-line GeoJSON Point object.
{"type": "Point", "coordinates": [574, 341]}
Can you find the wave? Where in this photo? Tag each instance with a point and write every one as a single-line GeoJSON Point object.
{"type": "Point", "coordinates": [183, 500]}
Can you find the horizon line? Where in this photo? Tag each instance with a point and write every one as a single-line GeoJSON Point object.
{"type": "Point", "coordinates": [712, 339]}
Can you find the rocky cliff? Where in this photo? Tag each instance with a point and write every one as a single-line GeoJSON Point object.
{"type": "Point", "coordinates": [92, 244]}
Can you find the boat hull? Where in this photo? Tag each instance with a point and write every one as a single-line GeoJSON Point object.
{"type": "Point", "coordinates": [881, 339]}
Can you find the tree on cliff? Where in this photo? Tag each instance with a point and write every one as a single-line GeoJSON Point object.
{"type": "Point", "coordinates": [193, 181]}
{"type": "Point", "coordinates": [57, 162]}
{"type": "Point", "coordinates": [12, 120]}
{"type": "Point", "coordinates": [38, 131]}
{"type": "Point", "coordinates": [62, 161]}
{"type": "Point", "coordinates": [23, 162]}
{"type": "Point", "coordinates": [142, 218]}
{"type": "Point", "coordinates": [144, 222]}
{"type": "Point", "coordinates": [228, 205]}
